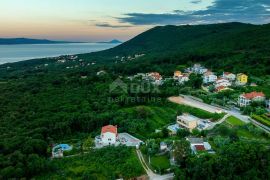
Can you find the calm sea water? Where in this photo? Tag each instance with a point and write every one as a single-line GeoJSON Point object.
{"type": "Point", "coordinates": [14, 53]}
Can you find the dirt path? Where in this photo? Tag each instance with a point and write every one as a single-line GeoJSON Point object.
{"type": "Point", "coordinates": [150, 173]}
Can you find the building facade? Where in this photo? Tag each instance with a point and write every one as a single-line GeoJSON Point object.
{"type": "Point", "coordinates": [246, 98]}
{"type": "Point", "coordinates": [187, 121]}
{"type": "Point", "coordinates": [109, 135]}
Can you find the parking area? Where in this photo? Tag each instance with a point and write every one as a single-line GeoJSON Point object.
{"type": "Point", "coordinates": [128, 140]}
{"type": "Point", "coordinates": [204, 124]}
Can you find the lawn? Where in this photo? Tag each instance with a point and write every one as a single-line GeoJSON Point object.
{"type": "Point", "coordinates": [160, 163]}
{"type": "Point", "coordinates": [234, 121]}
{"type": "Point", "coordinates": [106, 163]}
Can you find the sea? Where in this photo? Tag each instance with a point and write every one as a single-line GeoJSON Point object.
{"type": "Point", "coordinates": [15, 53]}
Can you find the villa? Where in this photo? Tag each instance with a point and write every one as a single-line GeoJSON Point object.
{"type": "Point", "coordinates": [229, 76]}
{"type": "Point", "coordinates": [241, 79]}
{"type": "Point", "coordinates": [222, 82]}
{"type": "Point", "coordinates": [187, 121]}
{"type": "Point", "coordinates": [109, 135]}
{"type": "Point", "coordinates": [177, 75]}
{"type": "Point", "coordinates": [209, 77]}
{"type": "Point", "coordinates": [155, 77]}
{"type": "Point", "coordinates": [198, 69]}
{"type": "Point", "coordinates": [245, 99]}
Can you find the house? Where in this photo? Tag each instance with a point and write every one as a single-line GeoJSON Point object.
{"type": "Point", "coordinates": [155, 77]}
{"type": "Point", "coordinates": [184, 78]}
{"type": "Point", "coordinates": [198, 69]}
{"type": "Point", "coordinates": [241, 79]}
{"type": "Point", "coordinates": [245, 99]}
{"type": "Point", "coordinates": [163, 146]}
{"type": "Point", "coordinates": [222, 88]}
{"type": "Point", "coordinates": [198, 145]}
{"type": "Point", "coordinates": [209, 77]}
{"type": "Point", "coordinates": [173, 129]}
{"type": "Point", "coordinates": [268, 104]}
{"type": "Point", "coordinates": [109, 135]}
{"type": "Point", "coordinates": [187, 121]}
{"type": "Point", "coordinates": [228, 75]}
{"type": "Point", "coordinates": [177, 75]}
{"type": "Point", "coordinates": [222, 82]}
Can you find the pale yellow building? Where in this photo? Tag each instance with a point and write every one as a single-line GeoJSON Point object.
{"type": "Point", "coordinates": [242, 78]}
{"type": "Point", "coordinates": [187, 121]}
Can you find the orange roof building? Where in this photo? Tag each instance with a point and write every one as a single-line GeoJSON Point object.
{"type": "Point", "coordinates": [246, 98]}
{"type": "Point", "coordinates": [109, 128]}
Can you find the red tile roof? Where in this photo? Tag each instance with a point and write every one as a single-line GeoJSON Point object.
{"type": "Point", "coordinates": [220, 88]}
{"type": "Point", "coordinates": [109, 128]}
{"type": "Point", "coordinates": [156, 75]}
{"type": "Point", "coordinates": [253, 95]}
{"type": "Point", "coordinates": [199, 147]}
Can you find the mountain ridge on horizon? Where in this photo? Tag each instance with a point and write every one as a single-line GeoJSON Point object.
{"type": "Point", "coordinates": [18, 41]}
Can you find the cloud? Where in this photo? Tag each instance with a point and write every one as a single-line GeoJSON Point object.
{"type": "Point", "coordinates": [196, 1]}
{"type": "Point", "coordinates": [107, 25]}
{"type": "Point", "coordinates": [249, 11]}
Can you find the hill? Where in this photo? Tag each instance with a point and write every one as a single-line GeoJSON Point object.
{"type": "Point", "coordinates": [13, 41]}
{"type": "Point", "coordinates": [228, 46]}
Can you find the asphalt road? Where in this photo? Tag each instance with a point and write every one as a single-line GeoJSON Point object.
{"type": "Point", "coordinates": [186, 100]}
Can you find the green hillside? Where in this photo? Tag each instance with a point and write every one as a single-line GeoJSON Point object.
{"type": "Point", "coordinates": [229, 46]}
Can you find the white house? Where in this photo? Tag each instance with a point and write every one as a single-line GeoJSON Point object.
{"type": "Point", "coordinates": [184, 78]}
{"type": "Point", "coordinates": [228, 75]}
{"type": "Point", "coordinates": [245, 99]}
{"type": "Point", "coordinates": [222, 82]}
{"type": "Point", "coordinates": [209, 77]}
{"type": "Point", "coordinates": [163, 146]}
{"type": "Point", "coordinates": [109, 135]}
{"type": "Point", "coordinates": [198, 69]}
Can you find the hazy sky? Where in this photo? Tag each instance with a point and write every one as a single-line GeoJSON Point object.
{"type": "Point", "coordinates": [98, 20]}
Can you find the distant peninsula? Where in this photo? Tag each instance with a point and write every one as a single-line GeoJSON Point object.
{"type": "Point", "coordinates": [16, 41]}
{"type": "Point", "coordinates": [115, 41]}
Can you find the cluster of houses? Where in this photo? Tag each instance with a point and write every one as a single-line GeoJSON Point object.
{"type": "Point", "coordinates": [222, 82]}
{"type": "Point", "coordinates": [128, 58]}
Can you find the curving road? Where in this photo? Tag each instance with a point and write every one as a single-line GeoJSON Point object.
{"type": "Point", "coordinates": [150, 173]}
{"type": "Point", "coordinates": [186, 100]}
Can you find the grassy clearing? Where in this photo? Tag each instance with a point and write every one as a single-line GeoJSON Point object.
{"type": "Point", "coordinates": [234, 121]}
{"type": "Point", "coordinates": [160, 163]}
{"type": "Point", "coordinates": [106, 163]}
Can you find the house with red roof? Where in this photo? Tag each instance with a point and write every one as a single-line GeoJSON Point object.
{"type": "Point", "coordinates": [246, 98]}
{"type": "Point", "coordinates": [198, 145]}
{"type": "Point", "coordinates": [109, 135]}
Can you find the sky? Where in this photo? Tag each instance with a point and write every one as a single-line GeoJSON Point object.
{"type": "Point", "coordinates": [103, 20]}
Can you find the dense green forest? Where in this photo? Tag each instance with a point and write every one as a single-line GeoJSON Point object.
{"type": "Point", "coordinates": [43, 102]}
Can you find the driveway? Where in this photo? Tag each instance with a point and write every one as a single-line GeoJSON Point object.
{"type": "Point", "coordinates": [150, 173]}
